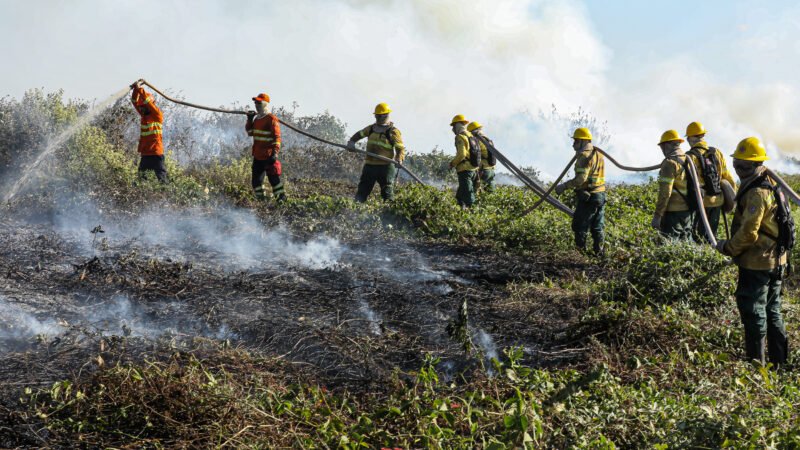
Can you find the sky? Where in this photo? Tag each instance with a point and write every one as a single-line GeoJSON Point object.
{"type": "Point", "coordinates": [638, 67]}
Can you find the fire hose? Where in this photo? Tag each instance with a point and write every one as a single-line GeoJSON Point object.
{"type": "Point", "coordinates": [288, 125]}
{"type": "Point", "coordinates": [526, 180]}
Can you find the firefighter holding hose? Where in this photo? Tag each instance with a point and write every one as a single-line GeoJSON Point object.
{"type": "Point", "coordinates": [762, 236]}
{"type": "Point", "coordinates": [265, 128]}
{"type": "Point", "coordinates": [151, 146]}
{"type": "Point", "coordinates": [383, 139]}
{"type": "Point", "coordinates": [488, 160]}
{"type": "Point", "coordinates": [589, 184]}
{"type": "Point", "coordinates": [711, 173]}
{"type": "Point", "coordinates": [673, 216]}
{"type": "Point", "coordinates": [466, 162]}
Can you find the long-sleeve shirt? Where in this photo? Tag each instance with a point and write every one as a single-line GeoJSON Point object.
{"type": "Point", "coordinates": [711, 201]}
{"type": "Point", "coordinates": [152, 123]}
{"type": "Point", "coordinates": [461, 161]}
{"type": "Point", "coordinates": [672, 185]}
{"type": "Point", "coordinates": [590, 172]}
{"type": "Point", "coordinates": [383, 140]}
{"type": "Point", "coordinates": [266, 132]}
{"type": "Point", "coordinates": [755, 228]}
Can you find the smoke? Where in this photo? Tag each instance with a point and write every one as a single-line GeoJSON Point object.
{"type": "Point", "coordinates": [16, 323]}
{"type": "Point", "coordinates": [233, 238]}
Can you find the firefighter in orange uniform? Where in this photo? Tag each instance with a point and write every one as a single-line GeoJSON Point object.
{"type": "Point", "coordinates": [151, 147]}
{"type": "Point", "coordinates": [266, 131]}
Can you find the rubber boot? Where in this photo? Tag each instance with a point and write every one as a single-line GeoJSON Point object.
{"type": "Point", "coordinates": [778, 345]}
{"type": "Point", "coordinates": [754, 347]}
{"type": "Point", "coordinates": [599, 247]}
{"type": "Point", "coordinates": [580, 241]}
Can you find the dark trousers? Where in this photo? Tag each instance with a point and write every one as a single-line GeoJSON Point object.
{"type": "Point", "coordinates": [373, 173]}
{"type": "Point", "coordinates": [589, 217]}
{"type": "Point", "coordinates": [271, 169]}
{"type": "Point", "coordinates": [677, 225]}
{"type": "Point", "coordinates": [758, 297]}
{"type": "Point", "coordinates": [153, 163]}
{"type": "Point", "coordinates": [714, 214]}
{"type": "Point", "coordinates": [487, 179]}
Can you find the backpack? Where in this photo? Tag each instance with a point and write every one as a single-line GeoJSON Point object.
{"type": "Point", "coordinates": [709, 166]}
{"type": "Point", "coordinates": [474, 151]}
{"type": "Point", "coordinates": [784, 241]}
{"type": "Point", "coordinates": [490, 158]}
{"type": "Point", "coordinates": [690, 198]}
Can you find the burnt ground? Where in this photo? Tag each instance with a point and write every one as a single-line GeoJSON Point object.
{"type": "Point", "coordinates": [66, 309]}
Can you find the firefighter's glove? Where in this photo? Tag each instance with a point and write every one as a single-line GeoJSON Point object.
{"type": "Point", "coordinates": [721, 245]}
{"type": "Point", "coordinates": [272, 159]}
{"type": "Point", "coordinates": [561, 188]}
{"type": "Point", "coordinates": [656, 222]}
{"type": "Point", "coordinates": [351, 145]}
{"type": "Point", "coordinates": [250, 115]}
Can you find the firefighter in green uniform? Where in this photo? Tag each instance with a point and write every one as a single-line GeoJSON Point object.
{"type": "Point", "coordinates": [488, 161]}
{"type": "Point", "coordinates": [711, 170]}
{"type": "Point", "coordinates": [672, 216]}
{"type": "Point", "coordinates": [590, 191]}
{"type": "Point", "coordinates": [467, 172]}
{"type": "Point", "coordinates": [383, 139]}
{"type": "Point", "coordinates": [753, 246]}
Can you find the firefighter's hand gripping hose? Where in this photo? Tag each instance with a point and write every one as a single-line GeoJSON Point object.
{"type": "Point", "coordinates": [288, 125]}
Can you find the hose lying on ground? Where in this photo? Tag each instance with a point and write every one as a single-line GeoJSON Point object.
{"type": "Point", "coordinates": [291, 127]}
{"type": "Point", "coordinates": [526, 180]}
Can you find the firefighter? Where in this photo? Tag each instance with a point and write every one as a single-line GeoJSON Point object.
{"type": "Point", "coordinates": [265, 128]}
{"type": "Point", "coordinates": [488, 160]}
{"type": "Point", "coordinates": [673, 217]}
{"type": "Point", "coordinates": [754, 246]}
{"type": "Point", "coordinates": [383, 139]}
{"type": "Point", "coordinates": [590, 192]}
{"type": "Point", "coordinates": [151, 146]}
{"type": "Point", "coordinates": [466, 161]}
{"type": "Point", "coordinates": [711, 170]}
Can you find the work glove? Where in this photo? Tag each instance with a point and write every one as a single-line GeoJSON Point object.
{"type": "Point", "coordinates": [720, 247]}
{"type": "Point", "coordinates": [561, 188]}
{"type": "Point", "coordinates": [272, 159]}
{"type": "Point", "coordinates": [351, 145]}
{"type": "Point", "coordinates": [250, 115]}
{"type": "Point", "coordinates": [656, 222]}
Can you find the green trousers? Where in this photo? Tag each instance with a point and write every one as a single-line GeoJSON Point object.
{"type": "Point", "coordinates": [678, 225]}
{"type": "Point", "coordinates": [465, 195]}
{"type": "Point", "coordinates": [589, 217]}
{"type": "Point", "coordinates": [487, 179]}
{"type": "Point", "coordinates": [758, 297]}
{"type": "Point", "coordinates": [714, 215]}
{"type": "Point", "coordinates": [373, 173]}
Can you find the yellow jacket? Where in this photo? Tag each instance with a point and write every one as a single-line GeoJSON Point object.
{"type": "Point", "coordinates": [379, 143]}
{"type": "Point", "coordinates": [755, 228]}
{"type": "Point", "coordinates": [711, 201]}
{"type": "Point", "coordinates": [461, 161]}
{"type": "Point", "coordinates": [672, 185]}
{"type": "Point", "coordinates": [590, 172]}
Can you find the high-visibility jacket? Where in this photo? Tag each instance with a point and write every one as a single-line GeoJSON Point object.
{"type": "Point", "coordinates": [755, 228]}
{"type": "Point", "coordinates": [152, 123]}
{"type": "Point", "coordinates": [461, 161]}
{"type": "Point", "coordinates": [672, 185]}
{"type": "Point", "coordinates": [711, 201]}
{"type": "Point", "coordinates": [383, 140]}
{"type": "Point", "coordinates": [266, 132]}
{"type": "Point", "coordinates": [590, 172]}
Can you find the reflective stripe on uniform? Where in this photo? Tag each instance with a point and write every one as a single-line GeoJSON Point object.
{"type": "Point", "coordinates": [262, 132]}
{"type": "Point", "coordinates": [597, 180]}
{"type": "Point", "coordinates": [666, 180]}
{"type": "Point", "coordinates": [582, 170]}
{"type": "Point", "coordinates": [379, 142]}
{"type": "Point", "coordinates": [151, 128]}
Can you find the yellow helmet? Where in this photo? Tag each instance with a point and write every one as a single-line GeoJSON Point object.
{"type": "Point", "coordinates": [459, 118]}
{"type": "Point", "coordinates": [750, 149]}
{"type": "Point", "coordinates": [582, 133]}
{"type": "Point", "coordinates": [695, 129]}
{"type": "Point", "coordinates": [474, 126]}
{"type": "Point", "coordinates": [382, 108]}
{"type": "Point", "coordinates": [669, 136]}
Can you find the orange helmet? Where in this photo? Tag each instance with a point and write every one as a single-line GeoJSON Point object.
{"type": "Point", "coordinates": [262, 97]}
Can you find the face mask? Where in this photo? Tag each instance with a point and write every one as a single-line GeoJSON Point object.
{"type": "Point", "coordinates": [743, 170]}
{"type": "Point", "coordinates": [262, 108]}
{"type": "Point", "coordinates": [381, 119]}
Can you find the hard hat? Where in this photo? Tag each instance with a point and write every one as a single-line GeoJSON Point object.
{"type": "Point", "coordinates": [750, 149]}
{"type": "Point", "coordinates": [474, 126]}
{"type": "Point", "coordinates": [459, 118]}
{"type": "Point", "coordinates": [670, 136]}
{"type": "Point", "coordinates": [262, 97]}
{"type": "Point", "coordinates": [695, 129]}
{"type": "Point", "coordinates": [382, 108]}
{"type": "Point", "coordinates": [582, 133]}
